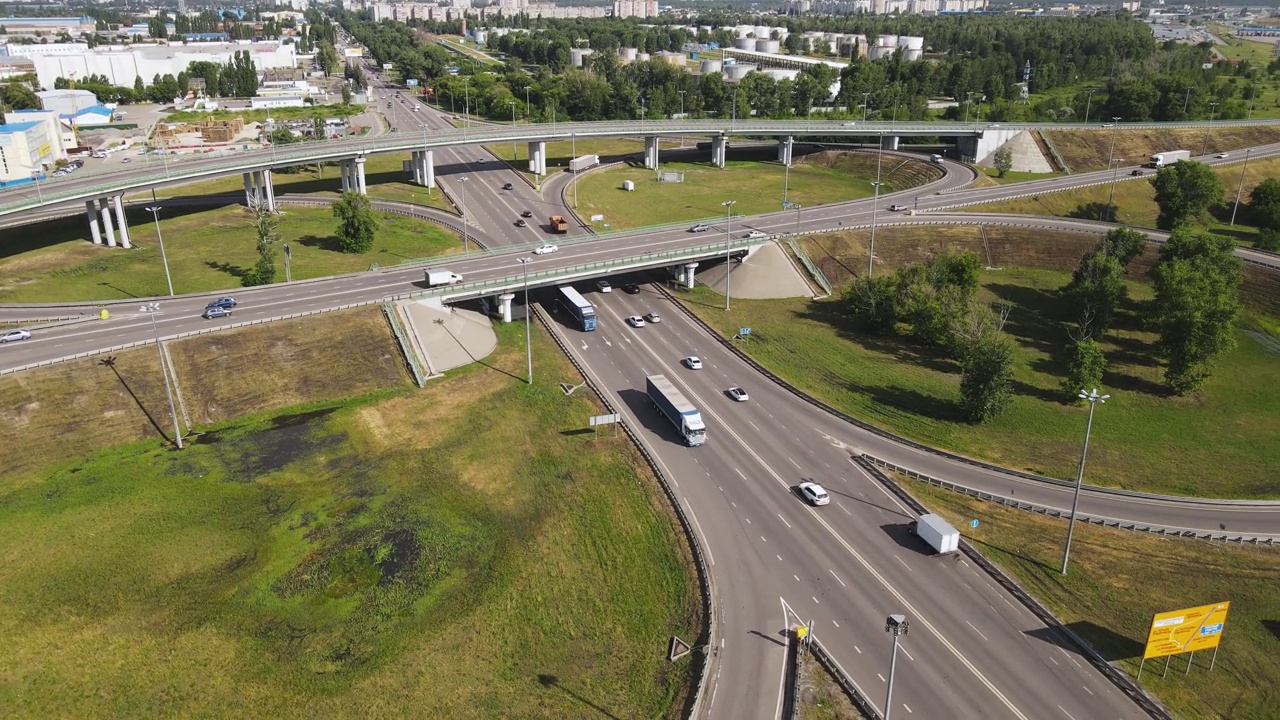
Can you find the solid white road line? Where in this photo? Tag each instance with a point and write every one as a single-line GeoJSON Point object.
{"type": "Point", "coordinates": [837, 577]}
{"type": "Point", "coordinates": [984, 637]}
{"type": "Point", "coordinates": [784, 520]}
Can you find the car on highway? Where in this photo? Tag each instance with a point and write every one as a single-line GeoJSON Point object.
{"type": "Point", "coordinates": [897, 207]}
{"type": "Point", "coordinates": [755, 235]}
{"type": "Point", "coordinates": [635, 321]}
{"type": "Point", "coordinates": [522, 223]}
{"type": "Point", "coordinates": [604, 286]}
{"type": "Point", "coordinates": [545, 249]}
{"type": "Point", "coordinates": [814, 493]}
{"type": "Point", "coordinates": [15, 335]}
{"type": "Point", "coordinates": [526, 214]}
{"type": "Point", "coordinates": [693, 362]}
{"type": "Point", "coordinates": [507, 186]}
{"type": "Point", "coordinates": [126, 160]}
{"type": "Point", "coordinates": [700, 228]}
{"type": "Point", "coordinates": [849, 124]}
{"type": "Point", "coordinates": [1136, 173]}
{"type": "Point", "coordinates": [1223, 155]}
{"type": "Point", "coordinates": [631, 289]}
{"type": "Point", "coordinates": [738, 394]}
{"type": "Point", "coordinates": [226, 303]}
{"type": "Point", "coordinates": [215, 312]}
{"type": "Point", "coordinates": [653, 318]}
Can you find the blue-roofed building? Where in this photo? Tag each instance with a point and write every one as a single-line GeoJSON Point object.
{"type": "Point", "coordinates": [28, 147]}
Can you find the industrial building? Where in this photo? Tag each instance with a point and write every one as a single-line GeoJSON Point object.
{"type": "Point", "coordinates": [120, 64]}
{"type": "Point", "coordinates": [47, 26]}
{"type": "Point", "coordinates": [66, 102]}
{"type": "Point", "coordinates": [30, 143]}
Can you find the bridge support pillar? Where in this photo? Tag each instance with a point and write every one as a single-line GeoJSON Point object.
{"type": "Point", "coordinates": [428, 168]}
{"type": "Point", "coordinates": [93, 222]}
{"type": "Point", "coordinates": [249, 198]}
{"type": "Point", "coordinates": [122, 221]}
{"type": "Point", "coordinates": [651, 152]}
{"type": "Point", "coordinates": [504, 306]}
{"type": "Point", "coordinates": [538, 157]}
{"type": "Point", "coordinates": [689, 274]}
{"type": "Point", "coordinates": [360, 186]}
{"type": "Point", "coordinates": [889, 142]}
{"type": "Point", "coordinates": [104, 211]}
{"type": "Point", "coordinates": [265, 183]}
{"type": "Point", "coordinates": [785, 146]}
{"type": "Point", "coordinates": [344, 171]}
{"type": "Point", "coordinates": [719, 148]}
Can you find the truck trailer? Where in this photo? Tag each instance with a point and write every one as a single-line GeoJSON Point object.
{"type": "Point", "coordinates": [582, 163]}
{"type": "Point", "coordinates": [673, 405]}
{"type": "Point", "coordinates": [1165, 159]}
{"type": "Point", "coordinates": [559, 224]}
{"type": "Point", "coordinates": [943, 538]}
{"type": "Point", "coordinates": [440, 276]}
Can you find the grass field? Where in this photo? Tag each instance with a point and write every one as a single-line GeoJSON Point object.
{"type": "Point", "coordinates": [371, 558]}
{"type": "Point", "coordinates": [1143, 439]}
{"type": "Point", "coordinates": [207, 250]}
{"type": "Point", "coordinates": [1134, 202]}
{"type": "Point", "coordinates": [1119, 579]}
{"type": "Point", "coordinates": [1258, 53]}
{"type": "Point", "coordinates": [1010, 177]}
{"type": "Point", "coordinates": [756, 187]}
{"type": "Point", "coordinates": [309, 112]}
{"type": "Point", "coordinates": [1086, 150]}
{"type": "Point", "coordinates": [821, 698]}
{"type": "Point", "coordinates": [385, 179]}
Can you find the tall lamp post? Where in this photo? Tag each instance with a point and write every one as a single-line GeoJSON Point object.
{"type": "Point", "coordinates": [1093, 398]}
{"type": "Point", "coordinates": [514, 155]}
{"type": "Point", "coordinates": [1112, 196]}
{"type": "Point", "coordinates": [155, 212]}
{"type": "Point", "coordinates": [897, 625]}
{"type": "Point", "coordinates": [1213, 106]}
{"type": "Point", "coordinates": [35, 177]}
{"type": "Point", "coordinates": [466, 247]}
{"type": "Point", "coordinates": [793, 206]}
{"type": "Point", "coordinates": [1088, 104]}
{"type": "Point", "coordinates": [682, 117]}
{"type": "Point", "coordinates": [1187, 100]}
{"type": "Point", "coordinates": [528, 112]}
{"type": "Point", "coordinates": [1111, 156]}
{"type": "Point", "coordinates": [151, 309]}
{"type": "Point", "coordinates": [1240, 189]}
{"type": "Point", "coordinates": [871, 251]}
{"type": "Point", "coordinates": [728, 233]}
{"type": "Point", "coordinates": [528, 310]}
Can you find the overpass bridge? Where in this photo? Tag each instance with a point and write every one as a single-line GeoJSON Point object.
{"type": "Point", "coordinates": [102, 192]}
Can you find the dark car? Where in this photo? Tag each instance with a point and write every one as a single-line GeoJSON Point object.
{"type": "Point", "coordinates": [226, 303]}
{"type": "Point", "coordinates": [631, 289]}
{"type": "Point", "coordinates": [1136, 173]}
{"type": "Point", "coordinates": [507, 186]}
{"type": "Point", "coordinates": [526, 214]}
{"type": "Point", "coordinates": [211, 313]}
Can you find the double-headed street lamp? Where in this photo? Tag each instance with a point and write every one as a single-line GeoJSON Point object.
{"type": "Point", "coordinates": [155, 212]}
{"type": "Point", "coordinates": [528, 310]}
{"type": "Point", "coordinates": [151, 309]}
{"type": "Point", "coordinates": [514, 155]}
{"type": "Point", "coordinates": [1093, 399]}
{"type": "Point", "coordinates": [897, 625]}
{"type": "Point", "coordinates": [728, 233]}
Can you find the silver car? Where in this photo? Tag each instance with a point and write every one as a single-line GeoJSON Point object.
{"type": "Point", "coordinates": [14, 335]}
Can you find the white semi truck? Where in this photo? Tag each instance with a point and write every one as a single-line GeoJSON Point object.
{"type": "Point", "coordinates": [1165, 159]}
{"type": "Point", "coordinates": [579, 164]}
{"type": "Point", "coordinates": [675, 408]}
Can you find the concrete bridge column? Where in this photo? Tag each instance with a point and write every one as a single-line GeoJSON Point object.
{"type": "Point", "coordinates": [785, 146]}
{"type": "Point", "coordinates": [104, 211]}
{"type": "Point", "coordinates": [651, 152]}
{"type": "Point", "coordinates": [122, 221]}
{"type": "Point", "coordinates": [268, 190]}
{"type": "Point", "coordinates": [360, 176]}
{"type": "Point", "coordinates": [415, 166]}
{"type": "Point", "coordinates": [689, 274]}
{"type": "Point", "coordinates": [248, 189]}
{"type": "Point", "coordinates": [505, 305]}
{"type": "Point", "coordinates": [890, 142]}
{"type": "Point", "coordinates": [344, 172]}
{"type": "Point", "coordinates": [93, 222]}
{"type": "Point", "coordinates": [538, 157]}
{"type": "Point", "coordinates": [719, 149]}
{"type": "Point", "coordinates": [428, 168]}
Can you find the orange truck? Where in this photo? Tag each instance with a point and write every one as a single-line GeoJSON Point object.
{"type": "Point", "coordinates": [559, 224]}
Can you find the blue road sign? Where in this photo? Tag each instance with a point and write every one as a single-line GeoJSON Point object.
{"type": "Point", "coordinates": [973, 523]}
{"type": "Point", "coordinates": [744, 331]}
{"type": "Point", "coordinates": [1213, 629]}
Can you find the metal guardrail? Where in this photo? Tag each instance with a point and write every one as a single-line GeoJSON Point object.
{"type": "Point", "coordinates": [406, 348]}
{"type": "Point", "coordinates": [1117, 678]}
{"type": "Point", "coordinates": [705, 585]}
{"type": "Point", "coordinates": [814, 270]}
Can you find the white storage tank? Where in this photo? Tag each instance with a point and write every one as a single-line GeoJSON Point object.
{"type": "Point", "coordinates": [738, 71]}
{"type": "Point", "coordinates": [880, 51]}
{"type": "Point", "coordinates": [745, 43]}
{"type": "Point", "coordinates": [578, 55]}
{"type": "Point", "coordinates": [889, 40]}
{"type": "Point", "coordinates": [782, 73]}
{"type": "Point", "coordinates": [482, 36]}
{"type": "Point", "coordinates": [642, 57]}
{"type": "Point", "coordinates": [628, 54]}
{"type": "Point", "coordinates": [710, 67]}
{"type": "Point", "coordinates": [744, 30]}
{"type": "Point", "coordinates": [913, 46]}
{"type": "Point", "coordinates": [672, 58]}
{"type": "Point", "coordinates": [768, 46]}
{"type": "Point", "coordinates": [763, 32]}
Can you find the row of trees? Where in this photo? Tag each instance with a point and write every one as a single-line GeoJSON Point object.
{"type": "Point", "coordinates": [237, 79]}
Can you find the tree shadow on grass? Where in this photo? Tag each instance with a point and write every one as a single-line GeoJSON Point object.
{"type": "Point", "coordinates": [1093, 211]}
{"type": "Point", "coordinates": [1113, 646]}
{"type": "Point", "coordinates": [914, 401]}
{"type": "Point", "coordinates": [1050, 395]}
{"type": "Point", "coordinates": [329, 242]}
{"type": "Point", "coordinates": [900, 348]}
{"type": "Point", "coordinates": [551, 681]}
{"type": "Point", "coordinates": [234, 271]}
{"type": "Point", "coordinates": [1136, 385]}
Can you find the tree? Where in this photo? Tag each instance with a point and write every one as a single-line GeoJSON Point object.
{"type": "Point", "coordinates": [356, 222]}
{"type": "Point", "coordinates": [1264, 204]}
{"type": "Point", "coordinates": [265, 226]}
{"type": "Point", "coordinates": [1268, 239]}
{"type": "Point", "coordinates": [1197, 301]}
{"type": "Point", "coordinates": [873, 304]}
{"type": "Point", "coordinates": [1085, 368]}
{"type": "Point", "coordinates": [346, 94]}
{"type": "Point", "coordinates": [986, 382]}
{"type": "Point", "coordinates": [1096, 290]}
{"type": "Point", "coordinates": [138, 86]}
{"type": "Point", "coordinates": [1184, 190]}
{"type": "Point", "coordinates": [1123, 244]}
{"type": "Point", "coordinates": [1003, 159]}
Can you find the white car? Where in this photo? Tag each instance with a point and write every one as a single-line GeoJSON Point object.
{"type": "Point", "coordinates": [693, 362]}
{"type": "Point", "coordinates": [755, 234]}
{"type": "Point", "coordinates": [653, 318]}
{"type": "Point", "coordinates": [738, 394]}
{"type": "Point", "coordinates": [635, 321]}
{"type": "Point", "coordinates": [546, 249]}
{"type": "Point", "coordinates": [604, 286]}
{"type": "Point", "coordinates": [13, 335]}
{"type": "Point", "coordinates": [814, 493]}
{"type": "Point", "coordinates": [1223, 155]}
{"type": "Point", "coordinates": [700, 228]}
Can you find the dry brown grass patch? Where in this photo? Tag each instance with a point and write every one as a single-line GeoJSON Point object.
{"type": "Point", "coordinates": [1085, 150]}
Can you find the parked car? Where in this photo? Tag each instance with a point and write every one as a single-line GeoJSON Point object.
{"type": "Point", "coordinates": [653, 317]}
{"type": "Point", "coordinates": [604, 286]}
{"type": "Point", "coordinates": [814, 493]}
{"type": "Point", "coordinates": [14, 335]}
{"type": "Point", "coordinates": [215, 312]}
{"type": "Point", "coordinates": [738, 394]}
{"type": "Point", "coordinates": [635, 321]}
{"type": "Point", "coordinates": [693, 362]}
{"type": "Point", "coordinates": [631, 289]}
{"type": "Point", "coordinates": [545, 249]}
{"type": "Point", "coordinates": [755, 234]}
{"type": "Point", "coordinates": [897, 207]}
{"type": "Point", "coordinates": [226, 303]}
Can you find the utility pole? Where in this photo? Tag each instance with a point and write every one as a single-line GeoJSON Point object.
{"type": "Point", "coordinates": [1088, 103]}
{"type": "Point", "coordinates": [1093, 398]}
{"type": "Point", "coordinates": [728, 233]}
{"type": "Point", "coordinates": [151, 309]}
{"type": "Point", "coordinates": [1187, 100]}
{"type": "Point", "coordinates": [1240, 189]}
{"type": "Point", "coordinates": [1112, 196]}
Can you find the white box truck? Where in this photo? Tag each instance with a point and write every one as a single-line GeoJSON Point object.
{"type": "Point", "coordinates": [582, 163]}
{"type": "Point", "coordinates": [943, 538]}
{"type": "Point", "coordinates": [1166, 159]}
{"type": "Point", "coordinates": [440, 276]}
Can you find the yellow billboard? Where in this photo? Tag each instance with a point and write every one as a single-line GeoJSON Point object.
{"type": "Point", "coordinates": [1187, 630]}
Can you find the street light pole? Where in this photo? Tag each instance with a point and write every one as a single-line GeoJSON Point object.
{"type": "Point", "coordinates": [1213, 106]}
{"type": "Point", "coordinates": [514, 155]}
{"type": "Point", "coordinates": [866, 102]}
{"type": "Point", "coordinates": [875, 202]}
{"type": "Point", "coordinates": [1186, 100]}
{"type": "Point", "coordinates": [528, 112]}
{"type": "Point", "coordinates": [728, 233]}
{"type": "Point", "coordinates": [682, 117]}
{"type": "Point", "coordinates": [1093, 398]}
{"type": "Point", "coordinates": [466, 247]}
{"type": "Point", "coordinates": [35, 177]}
{"type": "Point", "coordinates": [1088, 104]}
{"type": "Point", "coordinates": [898, 625]}
{"type": "Point", "coordinates": [151, 309]}
{"type": "Point", "coordinates": [786, 181]}
{"type": "Point", "coordinates": [1111, 156]}
{"type": "Point", "coordinates": [1112, 196]}
{"type": "Point", "coordinates": [1240, 189]}
{"type": "Point", "coordinates": [573, 151]}
{"type": "Point", "coordinates": [528, 310]}
{"type": "Point", "coordinates": [793, 206]}
{"type": "Point", "coordinates": [155, 212]}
